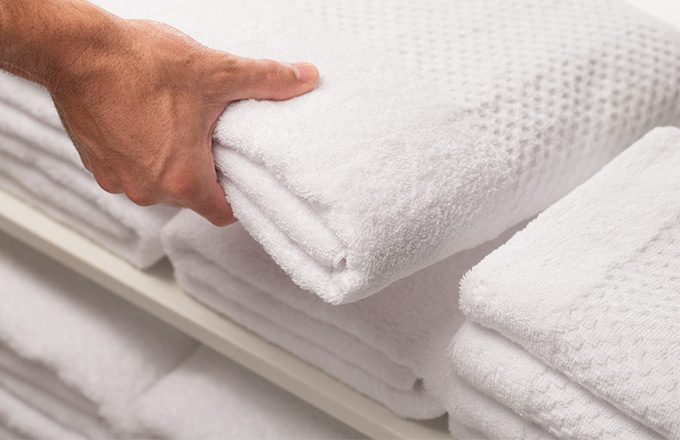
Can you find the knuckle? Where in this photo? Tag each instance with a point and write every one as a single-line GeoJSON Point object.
{"type": "Point", "coordinates": [141, 198]}
{"type": "Point", "coordinates": [274, 75]}
{"type": "Point", "coordinates": [182, 186]}
{"type": "Point", "coordinates": [106, 183]}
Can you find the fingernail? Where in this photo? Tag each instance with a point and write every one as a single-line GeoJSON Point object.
{"type": "Point", "coordinates": [306, 72]}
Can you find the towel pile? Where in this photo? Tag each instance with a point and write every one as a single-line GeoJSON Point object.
{"type": "Point", "coordinates": [574, 325]}
{"type": "Point", "coordinates": [390, 346]}
{"type": "Point", "coordinates": [77, 362]}
{"type": "Point", "coordinates": [437, 126]}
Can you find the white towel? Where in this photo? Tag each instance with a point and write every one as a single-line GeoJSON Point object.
{"type": "Point", "coordinates": [209, 397]}
{"type": "Point", "coordinates": [437, 125]}
{"type": "Point", "coordinates": [21, 421]}
{"type": "Point", "coordinates": [41, 392]}
{"type": "Point", "coordinates": [390, 346]}
{"type": "Point", "coordinates": [505, 372]}
{"type": "Point", "coordinates": [590, 287]}
{"type": "Point", "coordinates": [71, 350]}
{"type": "Point", "coordinates": [39, 163]}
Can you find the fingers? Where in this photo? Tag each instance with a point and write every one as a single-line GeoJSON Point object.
{"type": "Point", "coordinates": [198, 190]}
{"type": "Point", "coordinates": [266, 79]}
{"type": "Point", "coordinates": [214, 206]}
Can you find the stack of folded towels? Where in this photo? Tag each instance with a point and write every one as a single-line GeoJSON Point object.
{"type": "Point", "coordinates": [39, 163]}
{"type": "Point", "coordinates": [574, 324]}
{"type": "Point", "coordinates": [76, 362]}
{"type": "Point", "coordinates": [438, 131]}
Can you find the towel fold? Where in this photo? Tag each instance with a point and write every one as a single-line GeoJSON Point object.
{"type": "Point", "coordinates": [391, 346]}
{"type": "Point", "coordinates": [590, 288]}
{"type": "Point", "coordinates": [437, 125]}
{"type": "Point", "coordinates": [39, 164]}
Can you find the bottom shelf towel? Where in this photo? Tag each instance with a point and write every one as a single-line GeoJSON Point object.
{"type": "Point", "coordinates": [390, 346]}
{"type": "Point", "coordinates": [74, 353]}
{"type": "Point", "coordinates": [582, 308]}
{"type": "Point", "coordinates": [76, 362]}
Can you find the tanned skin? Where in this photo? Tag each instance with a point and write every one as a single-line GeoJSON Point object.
{"type": "Point", "coordinates": [139, 99]}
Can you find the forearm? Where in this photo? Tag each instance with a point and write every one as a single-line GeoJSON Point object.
{"type": "Point", "coordinates": [49, 40]}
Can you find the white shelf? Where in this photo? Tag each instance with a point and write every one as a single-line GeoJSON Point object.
{"type": "Point", "coordinates": [156, 292]}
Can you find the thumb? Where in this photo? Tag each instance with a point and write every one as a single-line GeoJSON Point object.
{"type": "Point", "coordinates": [266, 79]}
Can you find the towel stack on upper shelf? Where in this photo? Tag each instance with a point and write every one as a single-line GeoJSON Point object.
{"type": "Point", "coordinates": [77, 362]}
{"type": "Point", "coordinates": [39, 163]}
{"type": "Point", "coordinates": [575, 322]}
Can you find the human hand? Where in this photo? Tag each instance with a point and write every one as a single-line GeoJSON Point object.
{"type": "Point", "coordinates": [140, 101]}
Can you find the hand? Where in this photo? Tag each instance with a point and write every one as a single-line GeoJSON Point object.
{"type": "Point", "coordinates": [139, 99]}
{"type": "Point", "coordinates": [142, 115]}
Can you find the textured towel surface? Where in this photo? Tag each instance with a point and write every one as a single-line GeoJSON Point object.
{"type": "Point", "coordinates": [209, 397]}
{"type": "Point", "coordinates": [508, 374]}
{"type": "Point", "coordinates": [39, 164]}
{"type": "Point", "coordinates": [390, 346]}
{"type": "Point", "coordinates": [591, 286]}
{"type": "Point", "coordinates": [437, 125]}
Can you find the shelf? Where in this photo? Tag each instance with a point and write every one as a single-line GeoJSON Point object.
{"type": "Point", "coordinates": [156, 292]}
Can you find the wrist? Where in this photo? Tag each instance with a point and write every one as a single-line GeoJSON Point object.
{"type": "Point", "coordinates": [55, 40]}
{"type": "Point", "coordinates": [87, 37]}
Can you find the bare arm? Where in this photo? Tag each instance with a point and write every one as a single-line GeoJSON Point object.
{"type": "Point", "coordinates": [138, 98]}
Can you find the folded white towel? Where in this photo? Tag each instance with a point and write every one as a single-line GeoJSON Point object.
{"type": "Point", "coordinates": [39, 163]}
{"type": "Point", "coordinates": [40, 389]}
{"type": "Point", "coordinates": [591, 287]}
{"type": "Point", "coordinates": [437, 125]}
{"type": "Point", "coordinates": [209, 397]}
{"type": "Point", "coordinates": [508, 374]}
{"type": "Point", "coordinates": [21, 421]}
{"type": "Point", "coordinates": [64, 337]}
{"type": "Point", "coordinates": [385, 346]}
